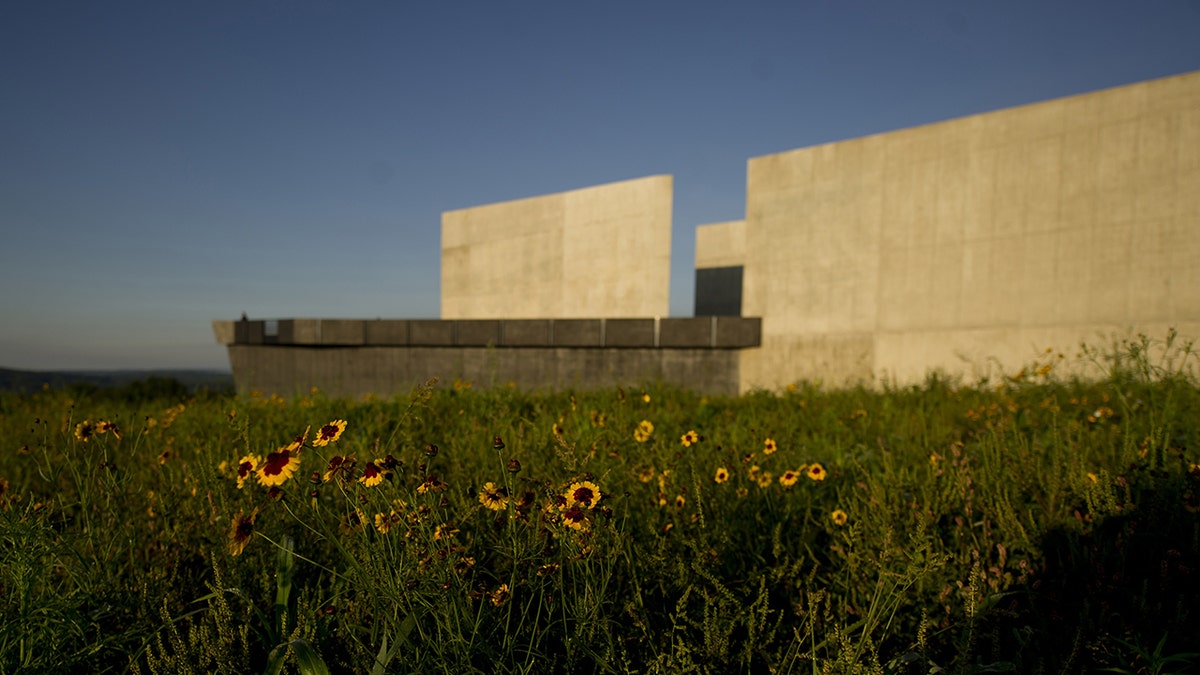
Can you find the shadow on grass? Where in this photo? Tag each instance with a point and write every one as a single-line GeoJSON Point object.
{"type": "Point", "coordinates": [1120, 593]}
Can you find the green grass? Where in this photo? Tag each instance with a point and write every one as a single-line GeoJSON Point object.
{"type": "Point", "coordinates": [1041, 524]}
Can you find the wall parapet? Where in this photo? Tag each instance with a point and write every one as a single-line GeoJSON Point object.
{"type": "Point", "coordinates": [705, 332]}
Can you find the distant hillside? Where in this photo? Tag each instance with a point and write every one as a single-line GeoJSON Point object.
{"type": "Point", "coordinates": [24, 381]}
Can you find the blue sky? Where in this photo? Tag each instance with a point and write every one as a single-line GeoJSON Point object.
{"type": "Point", "coordinates": [163, 164]}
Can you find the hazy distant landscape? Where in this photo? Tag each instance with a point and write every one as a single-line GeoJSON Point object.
{"type": "Point", "coordinates": [25, 381]}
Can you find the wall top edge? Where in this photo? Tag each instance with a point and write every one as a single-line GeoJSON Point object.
{"type": "Point", "coordinates": [703, 332]}
{"type": "Point", "coordinates": [1195, 74]}
{"type": "Point", "coordinates": [550, 195]}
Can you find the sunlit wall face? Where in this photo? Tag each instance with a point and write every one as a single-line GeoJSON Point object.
{"type": "Point", "coordinates": [597, 252]}
{"type": "Point", "coordinates": [977, 242]}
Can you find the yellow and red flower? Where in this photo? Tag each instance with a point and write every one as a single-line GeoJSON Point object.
{"type": "Point", "coordinates": [329, 433]}
{"type": "Point", "coordinates": [241, 529]}
{"type": "Point", "coordinates": [690, 437]}
{"type": "Point", "coordinates": [492, 497]}
{"type": "Point", "coordinates": [373, 474]}
{"type": "Point", "coordinates": [85, 430]}
{"type": "Point", "coordinates": [816, 471]}
{"type": "Point", "coordinates": [584, 493]}
{"type": "Point", "coordinates": [278, 466]}
{"type": "Point", "coordinates": [247, 466]}
{"type": "Point", "coordinates": [576, 518]}
{"type": "Point", "coordinates": [341, 468]}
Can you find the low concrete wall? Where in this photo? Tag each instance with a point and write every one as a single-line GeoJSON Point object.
{"type": "Point", "coordinates": [713, 332]}
{"type": "Point", "coordinates": [384, 357]}
{"type": "Point", "coordinates": [356, 371]}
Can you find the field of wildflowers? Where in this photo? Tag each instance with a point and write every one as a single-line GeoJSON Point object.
{"type": "Point", "coordinates": [1041, 523]}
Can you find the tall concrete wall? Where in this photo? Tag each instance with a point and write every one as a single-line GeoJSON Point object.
{"type": "Point", "coordinates": [986, 237]}
{"type": "Point", "coordinates": [601, 251]}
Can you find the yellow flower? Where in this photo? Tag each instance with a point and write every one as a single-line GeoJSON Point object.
{"type": "Point", "coordinates": [298, 442]}
{"type": "Point", "coordinates": [240, 531]}
{"type": "Point", "coordinates": [722, 475]}
{"type": "Point", "coordinates": [492, 497]}
{"type": "Point", "coordinates": [431, 484]}
{"type": "Point", "coordinates": [329, 433]}
{"type": "Point", "coordinates": [373, 474]}
{"type": "Point", "coordinates": [689, 438]}
{"type": "Point", "coordinates": [585, 493]}
{"type": "Point", "coordinates": [643, 431]}
{"type": "Point", "coordinates": [839, 517]}
{"type": "Point", "coordinates": [84, 431]}
{"type": "Point", "coordinates": [1092, 477]}
{"type": "Point", "coordinates": [384, 523]}
{"type": "Point", "coordinates": [765, 478]}
{"type": "Point", "coordinates": [247, 466]}
{"type": "Point", "coordinates": [576, 518]}
{"type": "Point", "coordinates": [680, 501]}
{"type": "Point", "coordinates": [104, 426]}
{"type": "Point", "coordinates": [645, 398]}
{"type": "Point", "coordinates": [340, 467]}
{"type": "Point", "coordinates": [768, 446]}
{"type": "Point", "coordinates": [500, 595]}
{"type": "Point", "coordinates": [816, 471]}
{"type": "Point", "coordinates": [789, 478]}
{"type": "Point", "coordinates": [278, 467]}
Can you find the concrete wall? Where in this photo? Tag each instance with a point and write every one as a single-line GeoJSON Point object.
{"type": "Point", "coordinates": [721, 244]}
{"type": "Point", "coordinates": [601, 251]}
{"type": "Point", "coordinates": [986, 237]}
{"type": "Point", "coordinates": [390, 356]}
{"type": "Point", "coordinates": [355, 371]}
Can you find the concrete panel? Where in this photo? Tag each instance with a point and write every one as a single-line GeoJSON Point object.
{"type": "Point", "coordinates": [477, 333]}
{"type": "Point", "coordinates": [304, 331]}
{"type": "Point", "coordinates": [343, 332]}
{"type": "Point", "coordinates": [248, 332]}
{"type": "Point", "coordinates": [697, 332]}
{"type": "Point", "coordinates": [426, 332]}
{"type": "Point", "coordinates": [223, 331]}
{"type": "Point", "coordinates": [629, 333]}
{"type": "Point", "coordinates": [578, 333]}
{"type": "Point", "coordinates": [1048, 220]}
{"type": "Point", "coordinates": [721, 244]}
{"type": "Point", "coordinates": [526, 333]}
{"type": "Point", "coordinates": [601, 251]}
{"type": "Point", "coordinates": [386, 332]}
{"type": "Point", "coordinates": [738, 332]}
